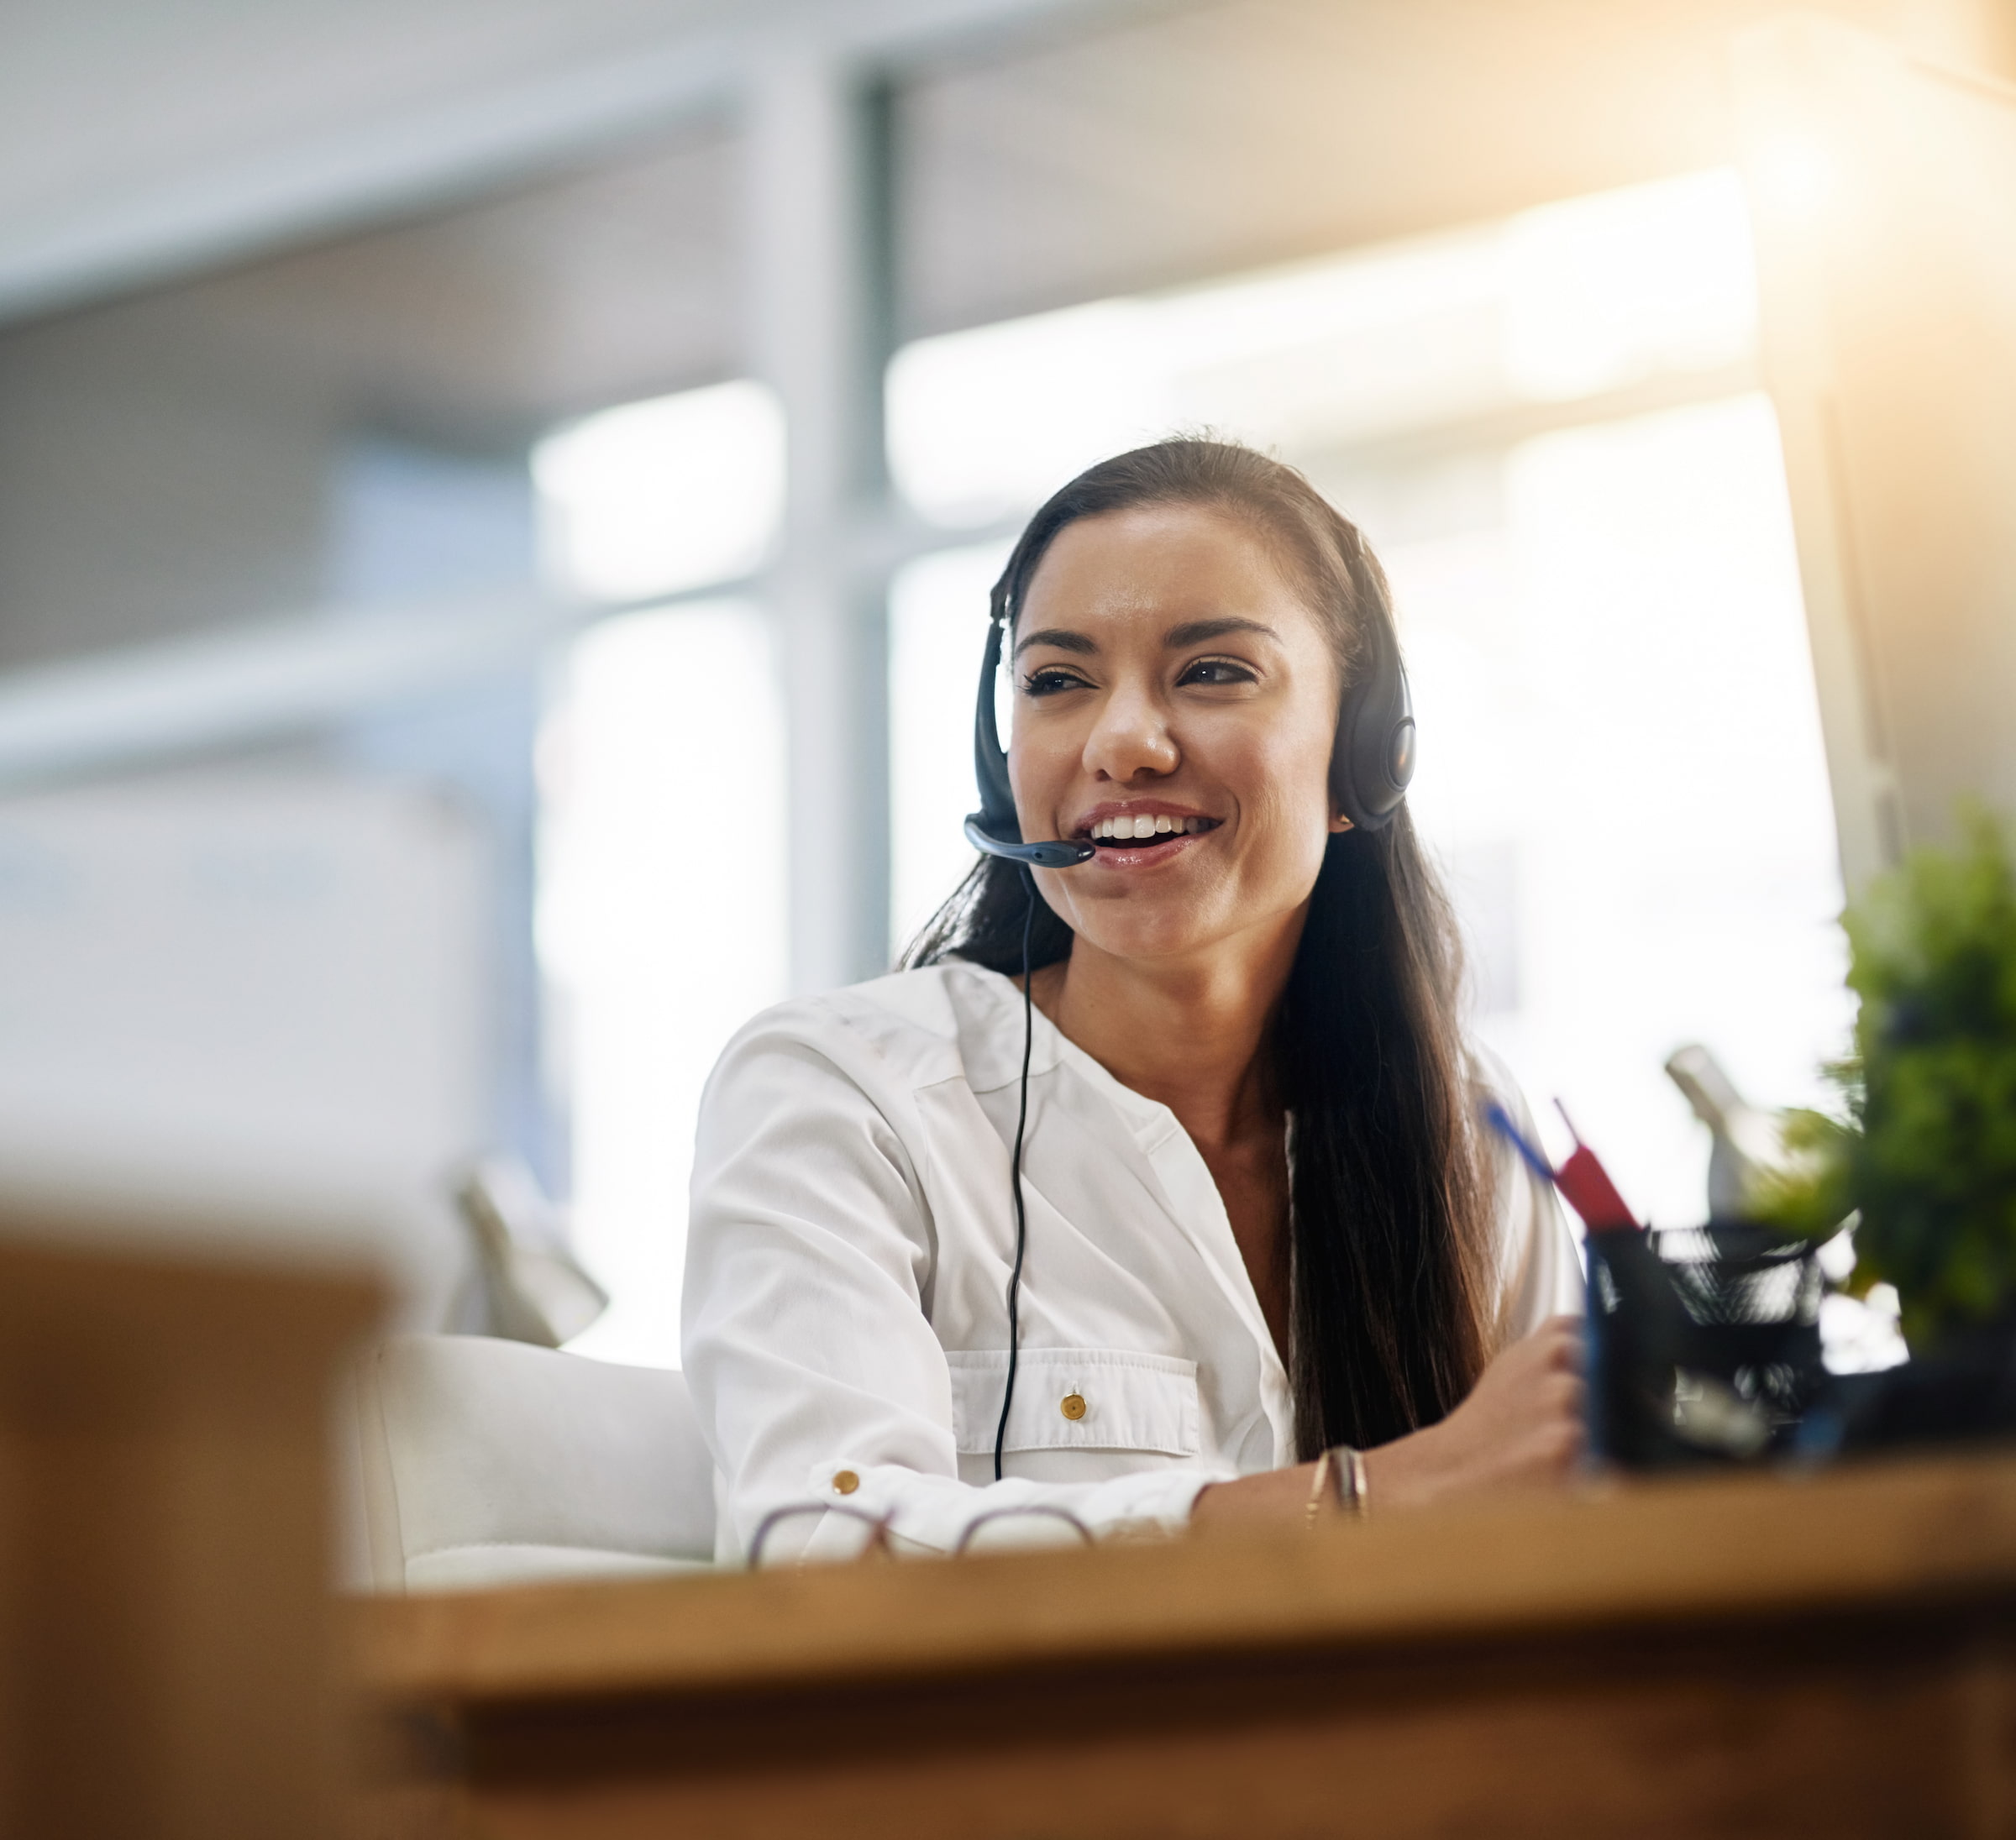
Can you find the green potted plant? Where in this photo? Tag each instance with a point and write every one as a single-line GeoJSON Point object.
{"type": "Point", "coordinates": [1924, 1147]}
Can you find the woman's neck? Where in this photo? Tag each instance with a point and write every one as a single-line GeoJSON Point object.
{"type": "Point", "coordinates": [1188, 1032]}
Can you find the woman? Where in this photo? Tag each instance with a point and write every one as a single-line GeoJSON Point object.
{"type": "Point", "coordinates": [1261, 1220]}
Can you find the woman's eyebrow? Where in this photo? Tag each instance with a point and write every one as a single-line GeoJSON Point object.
{"type": "Point", "coordinates": [1062, 638]}
{"type": "Point", "coordinates": [1196, 632]}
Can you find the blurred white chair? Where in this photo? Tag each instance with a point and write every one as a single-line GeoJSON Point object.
{"type": "Point", "coordinates": [493, 1462]}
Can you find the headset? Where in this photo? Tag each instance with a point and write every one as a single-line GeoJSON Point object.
{"type": "Point", "coordinates": [1371, 767]}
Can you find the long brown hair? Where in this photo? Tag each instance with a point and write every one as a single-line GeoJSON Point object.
{"type": "Point", "coordinates": [1390, 1222]}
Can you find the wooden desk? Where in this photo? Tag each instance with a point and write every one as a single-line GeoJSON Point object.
{"type": "Point", "coordinates": [165, 1660]}
{"type": "Point", "coordinates": [1750, 1656]}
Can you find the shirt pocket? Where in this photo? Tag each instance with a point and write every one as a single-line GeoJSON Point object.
{"type": "Point", "coordinates": [1076, 1399]}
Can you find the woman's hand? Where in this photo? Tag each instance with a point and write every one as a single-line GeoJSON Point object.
{"type": "Point", "coordinates": [1521, 1428]}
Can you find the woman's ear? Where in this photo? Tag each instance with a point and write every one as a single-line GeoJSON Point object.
{"type": "Point", "coordinates": [1340, 824]}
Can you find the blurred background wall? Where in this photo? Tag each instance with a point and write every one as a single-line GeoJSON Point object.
{"type": "Point", "coordinates": [497, 500]}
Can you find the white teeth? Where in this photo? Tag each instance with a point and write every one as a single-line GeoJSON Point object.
{"type": "Point", "coordinates": [1127, 827]}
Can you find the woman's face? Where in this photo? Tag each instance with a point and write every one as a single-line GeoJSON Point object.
{"type": "Point", "coordinates": [1169, 676]}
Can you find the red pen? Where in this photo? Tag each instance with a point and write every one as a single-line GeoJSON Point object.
{"type": "Point", "coordinates": [1588, 1188]}
{"type": "Point", "coordinates": [1582, 1178]}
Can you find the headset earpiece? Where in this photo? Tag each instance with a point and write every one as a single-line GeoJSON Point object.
{"type": "Point", "coordinates": [1371, 761]}
{"type": "Point", "coordinates": [996, 815]}
{"type": "Point", "coordinates": [994, 829]}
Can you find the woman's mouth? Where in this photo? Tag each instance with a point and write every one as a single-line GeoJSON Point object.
{"type": "Point", "coordinates": [1144, 837]}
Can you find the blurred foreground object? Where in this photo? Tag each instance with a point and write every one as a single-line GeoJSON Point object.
{"type": "Point", "coordinates": [165, 1670]}
{"type": "Point", "coordinates": [261, 1003]}
{"type": "Point", "coordinates": [1927, 1150]}
{"type": "Point", "coordinates": [1749, 1149]}
{"type": "Point", "coordinates": [531, 1288]}
{"type": "Point", "coordinates": [1752, 1169]}
{"type": "Point", "coordinates": [1704, 1344]}
{"type": "Point", "coordinates": [487, 1462]}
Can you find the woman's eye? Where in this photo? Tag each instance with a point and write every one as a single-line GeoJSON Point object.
{"type": "Point", "coordinates": [1214, 671]}
{"type": "Point", "coordinates": [1048, 680]}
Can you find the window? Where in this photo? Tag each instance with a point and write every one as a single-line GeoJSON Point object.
{"type": "Point", "coordinates": [653, 497]}
{"type": "Point", "coordinates": [661, 924]}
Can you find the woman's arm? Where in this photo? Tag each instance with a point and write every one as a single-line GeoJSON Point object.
{"type": "Point", "coordinates": [1521, 1428]}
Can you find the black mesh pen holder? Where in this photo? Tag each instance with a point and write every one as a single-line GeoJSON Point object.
{"type": "Point", "coordinates": [1704, 1345]}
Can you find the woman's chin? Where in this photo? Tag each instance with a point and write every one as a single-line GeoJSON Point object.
{"type": "Point", "coordinates": [1168, 918]}
{"type": "Point", "coordinates": [1145, 931]}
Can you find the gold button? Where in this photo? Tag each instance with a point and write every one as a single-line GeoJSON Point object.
{"type": "Point", "coordinates": [1073, 1407]}
{"type": "Point", "coordinates": [846, 1482]}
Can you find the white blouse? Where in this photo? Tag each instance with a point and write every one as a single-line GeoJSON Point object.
{"type": "Point", "coordinates": [845, 1320]}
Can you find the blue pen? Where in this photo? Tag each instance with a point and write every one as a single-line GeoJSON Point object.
{"type": "Point", "coordinates": [1500, 1120]}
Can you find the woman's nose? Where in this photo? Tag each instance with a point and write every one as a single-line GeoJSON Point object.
{"type": "Point", "coordinates": [1131, 736]}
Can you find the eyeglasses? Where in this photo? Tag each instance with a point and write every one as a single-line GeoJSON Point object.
{"type": "Point", "coordinates": [877, 1543]}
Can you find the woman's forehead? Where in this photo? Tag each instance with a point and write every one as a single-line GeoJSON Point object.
{"type": "Point", "coordinates": [1136, 572]}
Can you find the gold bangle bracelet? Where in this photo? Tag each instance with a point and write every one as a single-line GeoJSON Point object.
{"type": "Point", "coordinates": [1339, 1479]}
{"type": "Point", "coordinates": [1358, 1489]}
{"type": "Point", "coordinates": [1323, 1484]}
